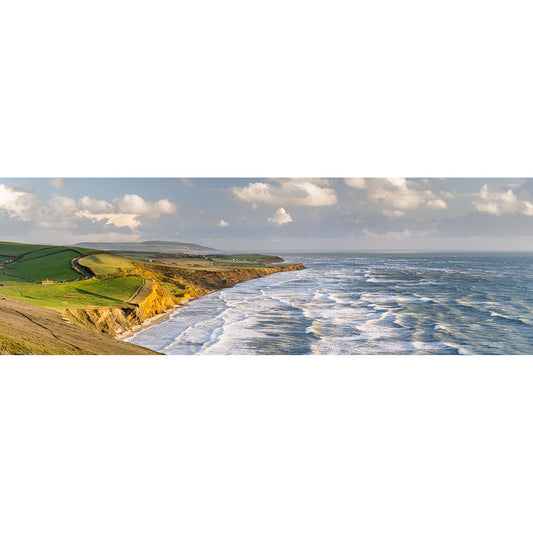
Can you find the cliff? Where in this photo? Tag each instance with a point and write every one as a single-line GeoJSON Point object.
{"type": "Point", "coordinates": [169, 286]}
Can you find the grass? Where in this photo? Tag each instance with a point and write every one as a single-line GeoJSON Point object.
{"type": "Point", "coordinates": [37, 263]}
{"type": "Point", "coordinates": [118, 276]}
{"type": "Point", "coordinates": [14, 249]}
{"type": "Point", "coordinates": [208, 262]}
{"type": "Point", "coordinates": [55, 267]}
{"type": "Point", "coordinates": [105, 264]}
{"type": "Point", "coordinates": [49, 250]}
{"type": "Point", "coordinates": [93, 292]}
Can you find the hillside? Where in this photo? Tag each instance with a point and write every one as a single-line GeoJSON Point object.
{"type": "Point", "coordinates": [27, 329]}
{"type": "Point", "coordinates": [148, 246]}
{"type": "Point", "coordinates": [98, 293]}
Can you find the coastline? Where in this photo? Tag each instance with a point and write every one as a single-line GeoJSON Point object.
{"type": "Point", "coordinates": [152, 321]}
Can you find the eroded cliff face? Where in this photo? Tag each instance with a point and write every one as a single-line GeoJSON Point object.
{"type": "Point", "coordinates": [117, 320]}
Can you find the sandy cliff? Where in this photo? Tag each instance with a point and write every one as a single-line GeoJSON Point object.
{"type": "Point", "coordinates": [155, 299]}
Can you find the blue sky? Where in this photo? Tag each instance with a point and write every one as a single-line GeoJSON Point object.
{"type": "Point", "coordinates": [274, 213]}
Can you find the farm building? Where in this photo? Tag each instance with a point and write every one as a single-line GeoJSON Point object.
{"type": "Point", "coordinates": [47, 282]}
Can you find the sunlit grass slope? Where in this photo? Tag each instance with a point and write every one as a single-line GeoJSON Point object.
{"type": "Point", "coordinates": [93, 292]}
{"type": "Point", "coordinates": [104, 264]}
{"type": "Point", "coordinates": [24, 266]}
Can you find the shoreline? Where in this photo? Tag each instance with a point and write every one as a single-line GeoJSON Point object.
{"type": "Point", "coordinates": [152, 321]}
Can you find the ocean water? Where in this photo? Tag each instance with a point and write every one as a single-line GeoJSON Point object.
{"type": "Point", "coordinates": [363, 303]}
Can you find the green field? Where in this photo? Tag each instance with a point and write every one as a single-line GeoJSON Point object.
{"type": "Point", "coordinates": [55, 267]}
{"type": "Point", "coordinates": [105, 264]}
{"type": "Point", "coordinates": [14, 249]}
{"type": "Point", "coordinates": [24, 266]}
{"type": "Point", "coordinates": [49, 250]}
{"type": "Point", "coordinates": [93, 292]}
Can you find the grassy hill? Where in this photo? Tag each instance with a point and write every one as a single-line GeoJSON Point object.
{"type": "Point", "coordinates": [148, 246]}
{"type": "Point", "coordinates": [54, 266]}
{"type": "Point", "coordinates": [88, 293]}
{"type": "Point", "coordinates": [106, 263]}
{"type": "Point", "coordinates": [23, 267]}
{"type": "Point", "coordinates": [103, 292]}
{"type": "Point", "coordinates": [27, 329]}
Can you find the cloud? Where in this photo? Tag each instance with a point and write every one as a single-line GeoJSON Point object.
{"type": "Point", "coordinates": [223, 224]}
{"type": "Point", "coordinates": [95, 206]}
{"type": "Point", "coordinates": [288, 192]}
{"type": "Point", "coordinates": [119, 220]}
{"type": "Point", "coordinates": [61, 211]}
{"type": "Point", "coordinates": [499, 203]}
{"type": "Point", "coordinates": [17, 204]}
{"type": "Point", "coordinates": [124, 211]}
{"type": "Point", "coordinates": [393, 213]}
{"type": "Point", "coordinates": [25, 186]}
{"type": "Point", "coordinates": [437, 204]}
{"type": "Point", "coordinates": [396, 194]}
{"type": "Point", "coordinates": [448, 194]}
{"type": "Point", "coordinates": [134, 204]}
{"type": "Point", "coordinates": [280, 217]}
{"type": "Point", "coordinates": [355, 183]}
{"type": "Point", "coordinates": [57, 183]}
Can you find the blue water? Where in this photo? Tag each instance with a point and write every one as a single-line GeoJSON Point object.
{"type": "Point", "coordinates": [364, 303]}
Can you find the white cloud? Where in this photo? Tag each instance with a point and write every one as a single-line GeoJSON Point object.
{"type": "Point", "coordinates": [223, 224]}
{"type": "Point", "coordinates": [124, 211]}
{"type": "Point", "coordinates": [438, 203]}
{"type": "Point", "coordinates": [17, 204]}
{"type": "Point", "coordinates": [355, 183]}
{"type": "Point", "coordinates": [499, 203]}
{"type": "Point", "coordinates": [62, 205]}
{"type": "Point", "coordinates": [280, 217]}
{"type": "Point", "coordinates": [133, 203]}
{"type": "Point", "coordinates": [57, 183]}
{"type": "Point", "coordinates": [60, 211]}
{"type": "Point", "coordinates": [289, 192]}
{"type": "Point", "coordinates": [398, 195]}
{"type": "Point", "coordinates": [119, 220]}
{"type": "Point", "coordinates": [96, 206]}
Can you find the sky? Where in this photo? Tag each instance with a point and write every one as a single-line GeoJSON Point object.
{"type": "Point", "coordinates": [274, 214]}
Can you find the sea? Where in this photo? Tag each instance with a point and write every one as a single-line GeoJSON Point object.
{"type": "Point", "coordinates": [363, 304]}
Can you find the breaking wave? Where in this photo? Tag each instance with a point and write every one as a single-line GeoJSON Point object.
{"type": "Point", "coordinates": [363, 304]}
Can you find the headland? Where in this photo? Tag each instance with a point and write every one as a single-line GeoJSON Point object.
{"type": "Point", "coordinates": [59, 300]}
